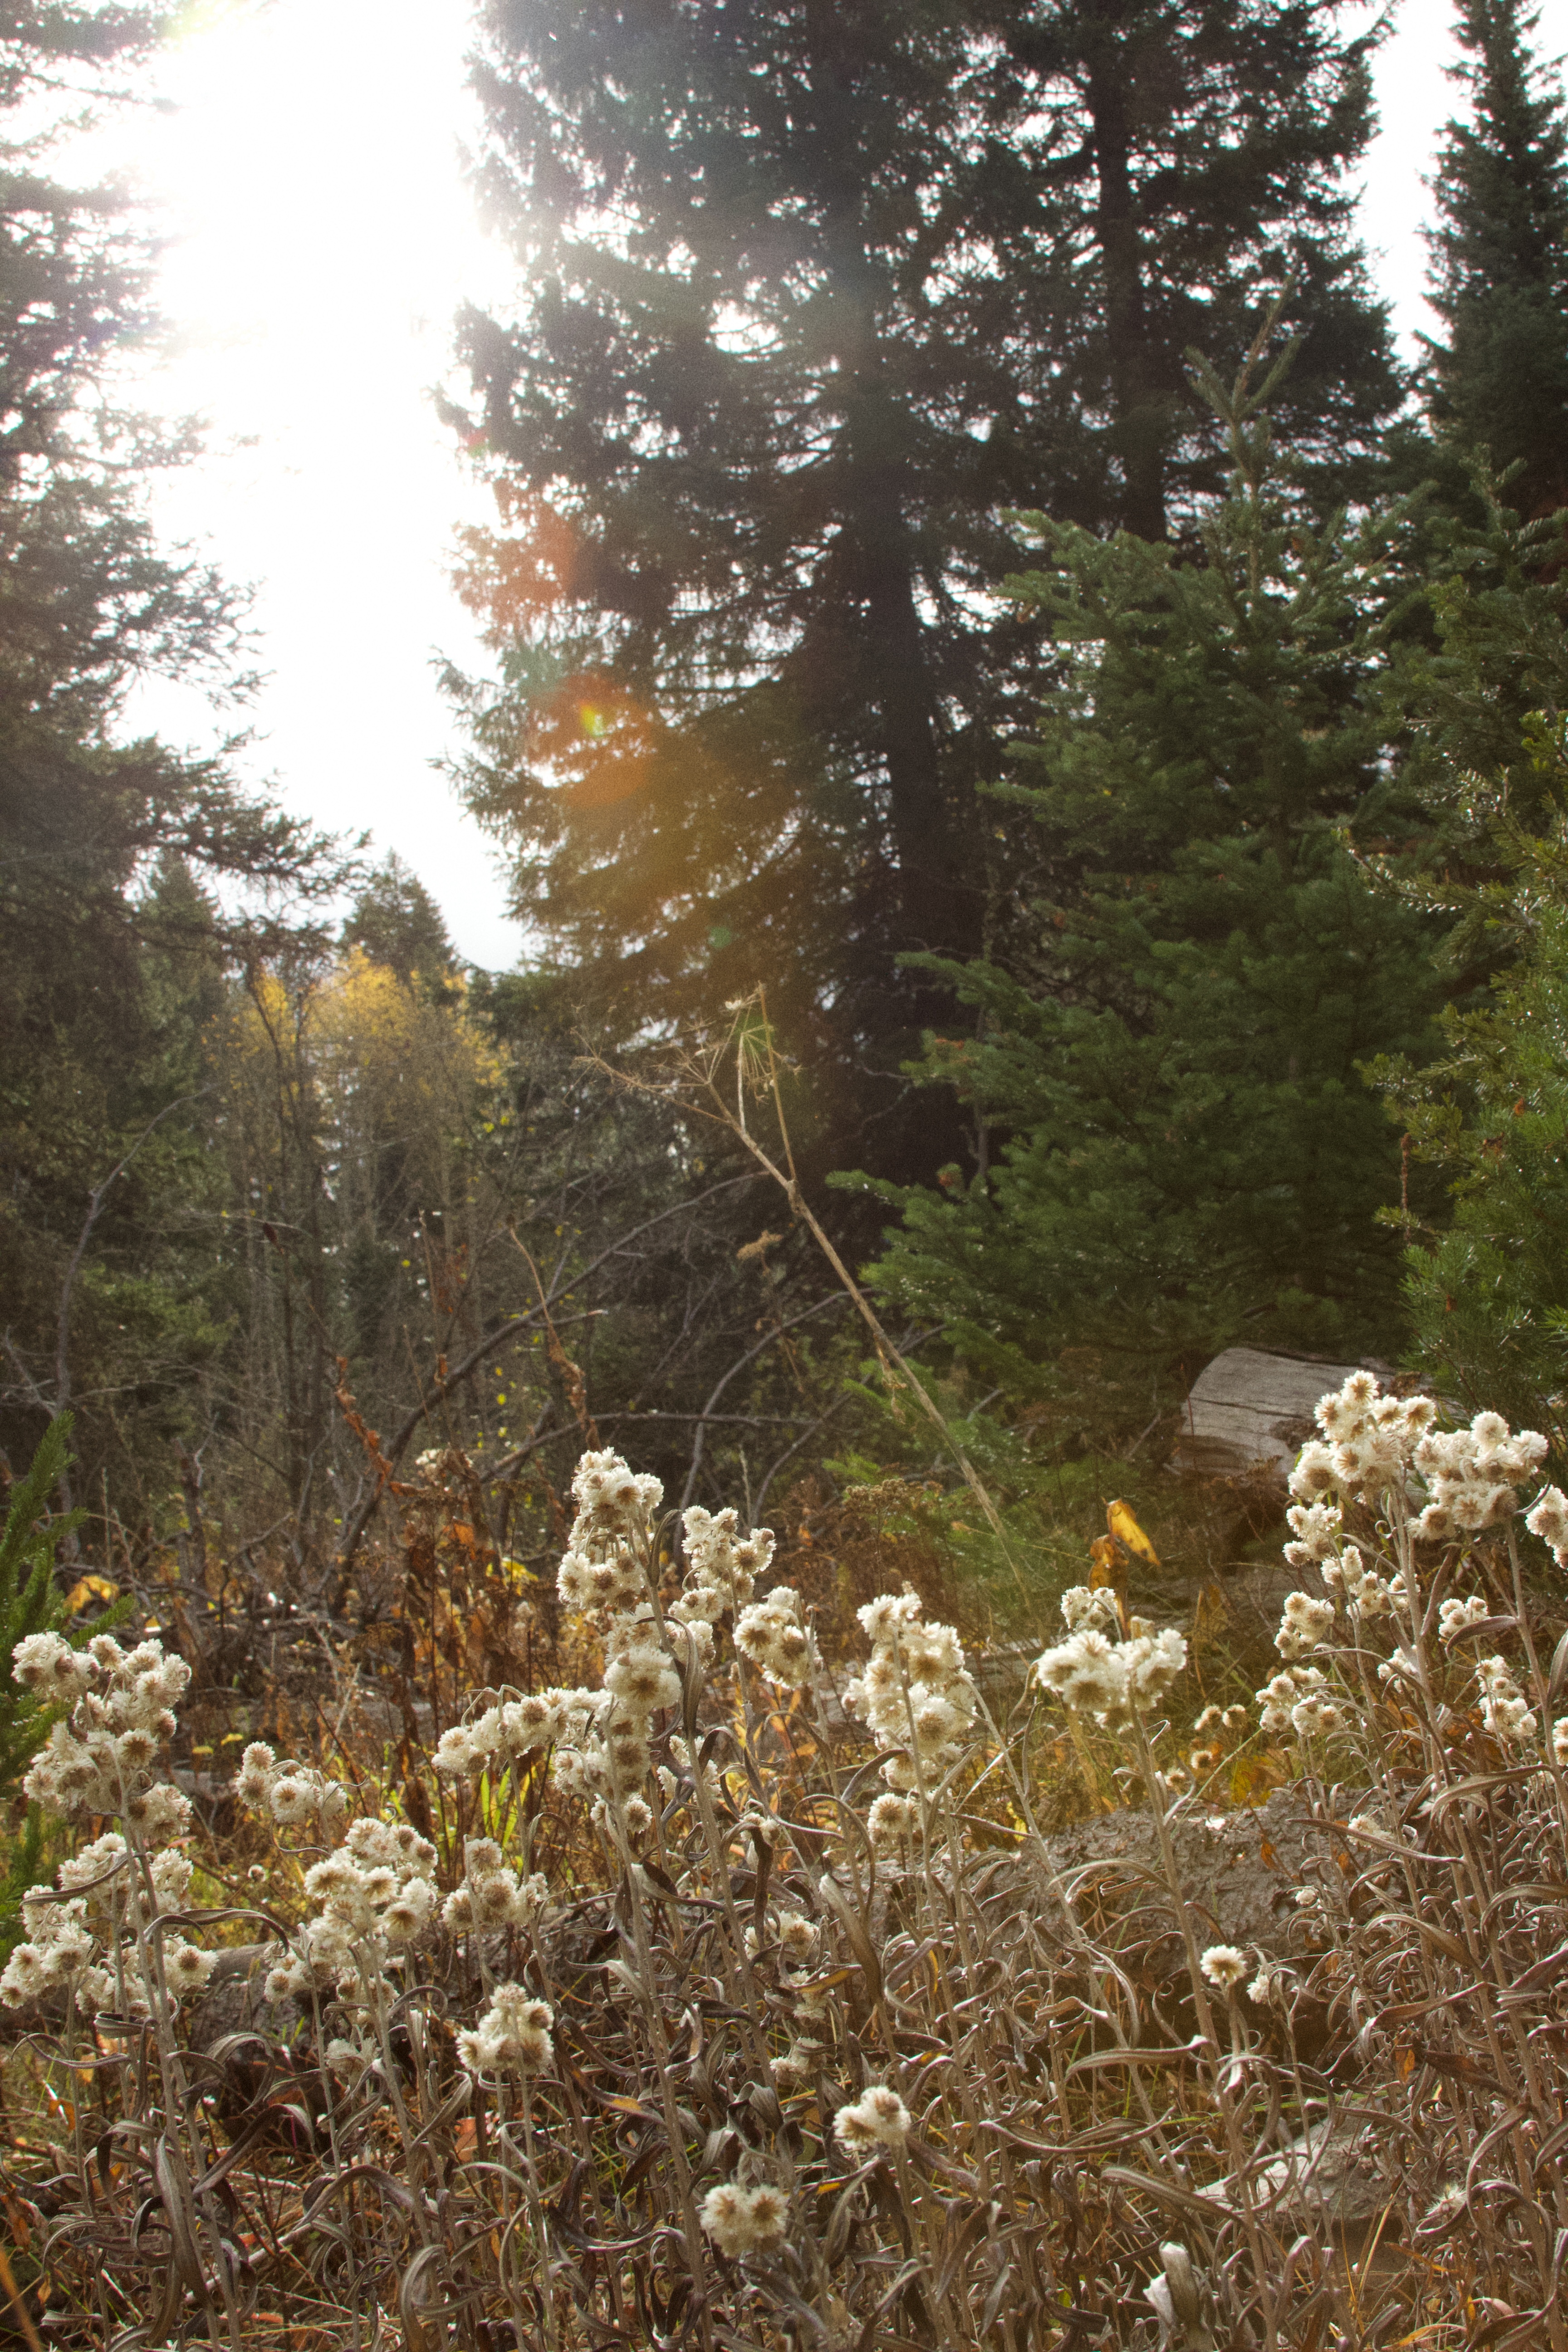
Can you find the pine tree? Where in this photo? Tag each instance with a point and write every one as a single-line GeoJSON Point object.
{"type": "Point", "coordinates": [1487, 1262]}
{"type": "Point", "coordinates": [101, 978]}
{"type": "Point", "coordinates": [398, 924]}
{"type": "Point", "coordinates": [1499, 379]}
{"type": "Point", "coordinates": [817, 293]}
{"type": "Point", "coordinates": [1175, 1149]}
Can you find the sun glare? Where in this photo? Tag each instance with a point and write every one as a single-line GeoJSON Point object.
{"type": "Point", "coordinates": [321, 237]}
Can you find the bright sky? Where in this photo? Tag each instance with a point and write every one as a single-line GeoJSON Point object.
{"type": "Point", "coordinates": [322, 239]}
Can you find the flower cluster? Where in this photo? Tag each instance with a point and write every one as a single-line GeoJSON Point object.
{"type": "Point", "coordinates": [1112, 1680]}
{"type": "Point", "coordinates": [92, 1935]}
{"type": "Point", "coordinates": [721, 1565]}
{"type": "Point", "coordinates": [492, 1895]}
{"type": "Point", "coordinates": [1365, 1592]}
{"type": "Point", "coordinates": [1456, 1617]}
{"type": "Point", "coordinates": [741, 2220]}
{"type": "Point", "coordinates": [602, 1738]}
{"type": "Point", "coordinates": [100, 1759]}
{"type": "Point", "coordinates": [1504, 1710]}
{"type": "Point", "coordinates": [507, 1734]}
{"type": "Point", "coordinates": [1305, 1623]}
{"type": "Point", "coordinates": [915, 1693]}
{"type": "Point", "coordinates": [795, 1936]}
{"type": "Point", "coordinates": [878, 2119]}
{"type": "Point", "coordinates": [604, 1567]}
{"type": "Point", "coordinates": [1549, 1520]}
{"type": "Point", "coordinates": [771, 1635]}
{"type": "Point", "coordinates": [1472, 1474]}
{"type": "Point", "coordinates": [609, 1760]}
{"type": "Point", "coordinates": [1299, 1700]}
{"type": "Point", "coordinates": [373, 1896]}
{"type": "Point", "coordinates": [512, 2037]}
{"type": "Point", "coordinates": [1367, 1443]}
{"type": "Point", "coordinates": [296, 1795]}
{"type": "Point", "coordinates": [1316, 1526]}
{"type": "Point", "coordinates": [892, 1821]}
{"type": "Point", "coordinates": [1374, 1445]}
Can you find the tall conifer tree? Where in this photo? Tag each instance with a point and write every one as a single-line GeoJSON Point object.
{"type": "Point", "coordinates": [1175, 1147]}
{"type": "Point", "coordinates": [817, 293]}
{"type": "Point", "coordinates": [1500, 377]}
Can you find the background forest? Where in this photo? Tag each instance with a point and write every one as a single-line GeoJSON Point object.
{"type": "Point", "coordinates": [973, 588]}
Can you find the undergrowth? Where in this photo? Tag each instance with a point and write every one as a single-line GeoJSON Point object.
{"type": "Point", "coordinates": [713, 1999]}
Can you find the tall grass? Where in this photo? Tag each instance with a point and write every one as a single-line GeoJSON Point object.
{"type": "Point", "coordinates": [695, 2021]}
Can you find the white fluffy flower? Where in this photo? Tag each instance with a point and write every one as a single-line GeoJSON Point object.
{"type": "Point", "coordinates": [102, 1757]}
{"type": "Point", "coordinates": [1374, 1445]}
{"type": "Point", "coordinates": [1306, 1621]}
{"type": "Point", "coordinates": [1224, 1965]}
{"type": "Point", "coordinates": [1456, 1616]}
{"type": "Point", "coordinates": [878, 2119]}
{"type": "Point", "coordinates": [771, 1635]}
{"type": "Point", "coordinates": [740, 2221]}
{"type": "Point", "coordinates": [1111, 1680]}
{"type": "Point", "coordinates": [512, 2036]}
{"type": "Point", "coordinates": [915, 1693]}
{"type": "Point", "coordinates": [1503, 1707]}
{"type": "Point", "coordinates": [1548, 1519]}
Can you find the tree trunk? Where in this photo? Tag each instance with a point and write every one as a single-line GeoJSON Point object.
{"type": "Point", "coordinates": [1138, 434]}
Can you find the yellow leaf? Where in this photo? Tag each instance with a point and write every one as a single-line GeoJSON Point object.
{"type": "Point", "coordinates": [90, 1588]}
{"type": "Point", "coordinates": [1124, 1526]}
{"type": "Point", "coordinates": [1102, 1568]}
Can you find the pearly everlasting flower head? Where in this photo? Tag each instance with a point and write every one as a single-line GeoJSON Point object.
{"type": "Point", "coordinates": [797, 2069]}
{"type": "Point", "coordinates": [743, 2221]}
{"type": "Point", "coordinates": [1373, 1446]}
{"type": "Point", "coordinates": [891, 1821]}
{"type": "Point", "coordinates": [294, 1796]}
{"type": "Point", "coordinates": [771, 1635]}
{"type": "Point", "coordinates": [603, 1752]}
{"type": "Point", "coordinates": [512, 2036]}
{"type": "Point", "coordinates": [915, 1693]}
{"type": "Point", "coordinates": [88, 1935]}
{"type": "Point", "coordinates": [721, 1565]}
{"type": "Point", "coordinates": [1365, 1594]}
{"type": "Point", "coordinates": [1111, 1680]}
{"type": "Point", "coordinates": [1456, 1617]}
{"type": "Point", "coordinates": [1548, 1519]}
{"type": "Point", "coordinates": [507, 1736]}
{"type": "Point", "coordinates": [102, 1756]}
{"type": "Point", "coordinates": [1091, 1609]}
{"type": "Point", "coordinates": [605, 1567]}
{"type": "Point", "coordinates": [1316, 1526]}
{"type": "Point", "coordinates": [493, 1895]}
{"type": "Point", "coordinates": [1299, 1692]}
{"type": "Point", "coordinates": [1504, 1710]}
{"type": "Point", "coordinates": [1305, 1623]}
{"type": "Point", "coordinates": [1471, 1475]}
{"type": "Point", "coordinates": [878, 2119]}
{"type": "Point", "coordinates": [371, 1897]}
